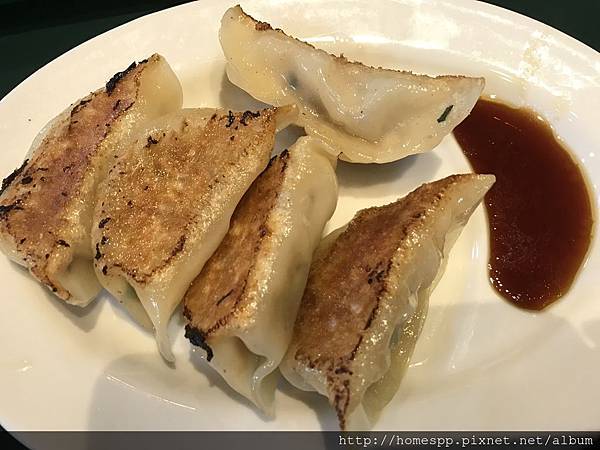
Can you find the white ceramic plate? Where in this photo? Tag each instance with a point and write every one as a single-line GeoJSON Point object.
{"type": "Point", "coordinates": [480, 363]}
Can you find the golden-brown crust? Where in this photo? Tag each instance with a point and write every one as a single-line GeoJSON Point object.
{"type": "Point", "coordinates": [37, 202]}
{"type": "Point", "coordinates": [347, 282]}
{"type": "Point", "coordinates": [219, 292]}
{"type": "Point", "coordinates": [176, 168]}
{"type": "Point", "coordinates": [341, 59]}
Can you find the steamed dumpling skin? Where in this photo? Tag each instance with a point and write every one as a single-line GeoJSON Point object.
{"type": "Point", "coordinates": [166, 204]}
{"type": "Point", "coordinates": [367, 295]}
{"type": "Point", "coordinates": [46, 205]}
{"type": "Point", "coordinates": [362, 113]}
{"type": "Point", "coordinates": [241, 308]}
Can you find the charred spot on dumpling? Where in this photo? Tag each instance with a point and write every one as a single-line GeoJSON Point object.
{"type": "Point", "coordinates": [230, 119]}
{"type": "Point", "coordinates": [248, 115]}
{"type": "Point", "coordinates": [262, 26]}
{"type": "Point", "coordinates": [342, 370]}
{"type": "Point", "coordinates": [224, 297]}
{"type": "Point", "coordinates": [103, 222]}
{"type": "Point", "coordinates": [151, 141]}
{"type": "Point", "coordinates": [98, 254]}
{"type": "Point", "coordinates": [197, 338]}
{"type": "Point", "coordinates": [179, 246]}
{"type": "Point", "coordinates": [341, 400]}
{"type": "Point", "coordinates": [283, 157]}
{"type": "Point", "coordinates": [445, 114]}
{"type": "Point", "coordinates": [80, 105]}
{"type": "Point", "coordinates": [379, 273]}
{"type": "Point", "coordinates": [112, 83]}
{"type": "Point", "coordinates": [10, 178]}
{"type": "Point", "coordinates": [263, 231]}
{"type": "Point", "coordinates": [63, 243]}
{"type": "Point", "coordinates": [5, 209]}
{"type": "Point", "coordinates": [27, 179]}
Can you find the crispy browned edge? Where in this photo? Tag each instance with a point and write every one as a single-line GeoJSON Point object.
{"type": "Point", "coordinates": [425, 200]}
{"type": "Point", "coordinates": [53, 161]}
{"type": "Point", "coordinates": [252, 216]}
{"type": "Point", "coordinates": [266, 27]}
{"type": "Point", "coordinates": [230, 121]}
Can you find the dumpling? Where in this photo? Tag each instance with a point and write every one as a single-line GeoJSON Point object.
{"type": "Point", "coordinates": [46, 204]}
{"type": "Point", "coordinates": [241, 308]}
{"type": "Point", "coordinates": [367, 295]}
{"type": "Point", "coordinates": [166, 204]}
{"type": "Point", "coordinates": [363, 113]}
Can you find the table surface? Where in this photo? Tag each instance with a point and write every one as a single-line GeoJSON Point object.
{"type": "Point", "coordinates": [34, 32]}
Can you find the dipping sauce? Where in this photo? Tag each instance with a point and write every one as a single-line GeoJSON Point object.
{"type": "Point", "coordinates": [539, 209]}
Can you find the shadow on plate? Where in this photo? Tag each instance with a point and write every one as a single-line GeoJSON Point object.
{"type": "Point", "coordinates": [84, 318]}
{"type": "Point", "coordinates": [216, 381]}
{"type": "Point", "coordinates": [318, 403]}
{"type": "Point", "coordinates": [494, 354]}
{"type": "Point", "coordinates": [374, 180]}
{"type": "Point", "coordinates": [236, 99]}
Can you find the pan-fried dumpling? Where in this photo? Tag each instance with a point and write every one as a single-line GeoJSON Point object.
{"type": "Point", "coordinates": [241, 308]}
{"type": "Point", "coordinates": [367, 295]}
{"type": "Point", "coordinates": [166, 203]}
{"type": "Point", "coordinates": [46, 204]}
{"type": "Point", "coordinates": [363, 113]}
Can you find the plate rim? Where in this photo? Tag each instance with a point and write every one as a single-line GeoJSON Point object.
{"type": "Point", "coordinates": [494, 9]}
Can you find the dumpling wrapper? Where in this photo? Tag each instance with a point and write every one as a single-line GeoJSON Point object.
{"type": "Point", "coordinates": [166, 203]}
{"type": "Point", "coordinates": [242, 307]}
{"type": "Point", "coordinates": [46, 205]}
{"type": "Point", "coordinates": [365, 114]}
{"type": "Point", "coordinates": [367, 296]}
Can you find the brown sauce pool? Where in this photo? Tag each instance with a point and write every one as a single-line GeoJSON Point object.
{"type": "Point", "coordinates": [539, 209]}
